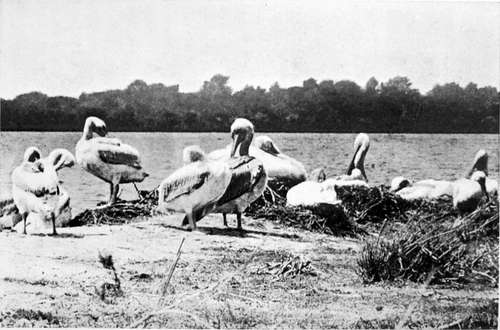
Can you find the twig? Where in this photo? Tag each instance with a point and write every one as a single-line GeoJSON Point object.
{"type": "Point", "coordinates": [186, 297]}
{"type": "Point", "coordinates": [170, 273]}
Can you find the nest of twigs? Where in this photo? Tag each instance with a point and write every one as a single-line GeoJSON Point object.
{"type": "Point", "coordinates": [438, 247]}
{"type": "Point", "coordinates": [118, 213]}
{"type": "Point", "coordinates": [325, 218]}
{"type": "Point", "coordinates": [378, 204]}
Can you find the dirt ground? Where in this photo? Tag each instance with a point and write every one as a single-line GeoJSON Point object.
{"type": "Point", "coordinates": [224, 278]}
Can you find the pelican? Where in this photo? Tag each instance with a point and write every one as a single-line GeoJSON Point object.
{"type": "Point", "coordinates": [194, 188]}
{"type": "Point", "coordinates": [424, 189]}
{"type": "Point", "coordinates": [108, 158]}
{"type": "Point", "coordinates": [480, 163]}
{"type": "Point", "coordinates": [248, 175]}
{"type": "Point", "coordinates": [278, 166]}
{"type": "Point", "coordinates": [356, 175]}
{"type": "Point", "coordinates": [312, 191]}
{"type": "Point", "coordinates": [35, 186]}
{"type": "Point", "coordinates": [467, 193]}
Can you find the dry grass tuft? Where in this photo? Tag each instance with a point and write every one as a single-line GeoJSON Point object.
{"type": "Point", "coordinates": [461, 251]}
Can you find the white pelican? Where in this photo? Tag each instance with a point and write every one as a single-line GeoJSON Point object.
{"type": "Point", "coordinates": [312, 191]}
{"type": "Point", "coordinates": [278, 166]}
{"type": "Point", "coordinates": [248, 174]}
{"type": "Point", "coordinates": [35, 187]}
{"type": "Point", "coordinates": [355, 175]}
{"type": "Point", "coordinates": [196, 187]}
{"type": "Point", "coordinates": [424, 189]}
{"type": "Point", "coordinates": [108, 158]}
{"type": "Point", "coordinates": [467, 193]}
{"type": "Point", "coordinates": [480, 163]}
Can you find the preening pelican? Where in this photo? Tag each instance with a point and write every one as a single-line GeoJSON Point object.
{"type": "Point", "coordinates": [480, 163]}
{"type": "Point", "coordinates": [361, 146]}
{"type": "Point", "coordinates": [467, 193]}
{"type": "Point", "coordinates": [355, 175]}
{"type": "Point", "coordinates": [278, 166]}
{"type": "Point", "coordinates": [194, 188]}
{"type": "Point", "coordinates": [35, 187]}
{"type": "Point", "coordinates": [108, 158]}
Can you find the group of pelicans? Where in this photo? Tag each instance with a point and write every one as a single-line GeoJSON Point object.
{"type": "Point", "coordinates": [223, 181]}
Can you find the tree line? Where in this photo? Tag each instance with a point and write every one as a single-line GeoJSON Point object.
{"type": "Point", "coordinates": [328, 106]}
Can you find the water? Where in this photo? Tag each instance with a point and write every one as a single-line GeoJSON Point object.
{"type": "Point", "coordinates": [411, 155]}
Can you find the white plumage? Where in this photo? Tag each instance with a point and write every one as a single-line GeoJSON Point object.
{"type": "Point", "coordinates": [467, 193]}
{"type": "Point", "coordinates": [36, 190]}
{"type": "Point", "coordinates": [278, 165]}
{"type": "Point", "coordinates": [424, 189]}
{"type": "Point", "coordinates": [480, 163]}
{"type": "Point", "coordinates": [313, 192]}
{"type": "Point", "coordinates": [248, 174]}
{"type": "Point", "coordinates": [108, 158]}
{"type": "Point", "coordinates": [195, 188]}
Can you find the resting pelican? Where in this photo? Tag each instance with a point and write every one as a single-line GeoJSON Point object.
{"type": "Point", "coordinates": [108, 158]}
{"type": "Point", "coordinates": [278, 166]}
{"type": "Point", "coordinates": [480, 163]}
{"type": "Point", "coordinates": [424, 189]}
{"type": "Point", "coordinates": [467, 193]}
{"type": "Point", "coordinates": [35, 186]}
{"type": "Point", "coordinates": [356, 175]}
{"type": "Point", "coordinates": [196, 187]}
{"type": "Point", "coordinates": [312, 191]}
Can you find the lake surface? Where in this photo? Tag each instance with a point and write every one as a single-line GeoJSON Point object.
{"type": "Point", "coordinates": [415, 156]}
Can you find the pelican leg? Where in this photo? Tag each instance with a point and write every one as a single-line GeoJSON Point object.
{"type": "Point", "coordinates": [238, 219]}
{"type": "Point", "coordinates": [111, 193]}
{"type": "Point", "coordinates": [191, 220]}
{"type": "Point", "coordinates": [114, 193]}
{"type": "Point", "coordinates": [54, 232]}
{"type": "Point", "coordinates": [25, 215]}
{"type": "Point", "coordinates": [224, 219]}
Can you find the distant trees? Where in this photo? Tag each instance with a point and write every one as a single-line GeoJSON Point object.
{"type": "Point", "coordinates": [325, 106]}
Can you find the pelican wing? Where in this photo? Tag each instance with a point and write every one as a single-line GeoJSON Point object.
{"type": "Point", "coordinates": [120, 155]}
{"type": "Point", "coordinates": [105, 140]}
{"type": "Point", "coordinates": [183, 182]}
{"type": "Point", "coordinates": [245, 173]}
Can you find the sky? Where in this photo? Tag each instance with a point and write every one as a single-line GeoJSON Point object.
{"type": "Point", "coordinates": [66, 47]}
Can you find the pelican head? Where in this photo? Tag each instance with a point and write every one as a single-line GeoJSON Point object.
{"type": "Point", "coordinates": [242, 134]}
{"type": "Point", "coordinates": [32, 154]}
{"type": "Point", "coordinates": [480, 163]}
{"type": "Point", "coordinates": [480, 177]}
{"type": "Point", "coordinates": [60, 158]}
{"type": "Point", "coordinates": [265, 143]}
{"type": "Point", "coordinates": [317, 175]}
{"type": "Point", "coordinates": [94, 124]}
{"type": "Point", "coordinates": [399, 183]}
{"type": "Point", "coordinates": [192, 154]}
{"type": "Point", "coordinates": [361, 146]}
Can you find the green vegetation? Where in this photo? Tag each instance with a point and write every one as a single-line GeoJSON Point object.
{"type": "Point", "coordinates": [328, 106]}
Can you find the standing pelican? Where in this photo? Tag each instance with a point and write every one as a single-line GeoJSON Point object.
{"type": "Point", "coordinates": [196, 187]}
{"type": "Point", "coordinates": [108, 158]}
{"type": "Point", "coordinates": [35, 186]}
{"type": "Point", "coordinates": [467, 193]}
{"type": "Point", "coordinates": [279, 167]}
{"type": "Point", "coordinates": [248, 175]}
{"type": "Point", "coordinates": [480, 163]}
